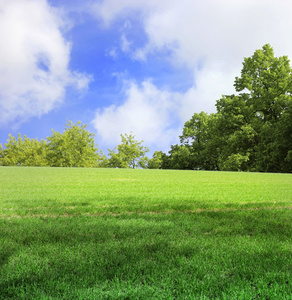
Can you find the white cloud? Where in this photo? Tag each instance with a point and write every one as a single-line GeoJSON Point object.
{"type": "Point", "coordinates": [210, 85]}
{"type": "Point", "coordinates": [34, 59]}
{"type": "Point", "coordinates": [155, 115]}
{"type": "Point", "coordinates": [209, 37]}
{"type": "Point", "coordinates": [125, 43]}
{"type": "Point", "coordinates": [112, 52]}
{"type": "Point", "coordinates": [224, 30]}
{"type": "Point", "coordinates": [146, 111]}
{"type": "Point", "coordinates": [110, 9]}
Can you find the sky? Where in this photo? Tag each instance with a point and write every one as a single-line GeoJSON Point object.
{"type": "Point", "coordinates": [122, 66]}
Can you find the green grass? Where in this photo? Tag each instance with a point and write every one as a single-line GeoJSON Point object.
{"type": "Point", "coordinates": [144, 234]}
{"type": "Point", "coordinates": [55, 191]}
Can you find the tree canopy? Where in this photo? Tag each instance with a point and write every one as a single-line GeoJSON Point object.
{"type": "Point", "coordinates": [129, 154]}
{"type": "Point", "coordinates": [23, 151]}
{"type": "Point", "coordinates": [156, 161]}
{"type": "Point", "coordinates": [252, 129]}
{"type": "Point", "coordinates": [75, 147]}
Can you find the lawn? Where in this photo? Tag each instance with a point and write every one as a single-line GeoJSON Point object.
{"type": "Point", "coordinates": [69, 233]}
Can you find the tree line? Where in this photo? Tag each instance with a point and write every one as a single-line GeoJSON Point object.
{"type": "Point", "coordinates": [74, 147]}
{"type": "Point", "coordinates": [251, 131]}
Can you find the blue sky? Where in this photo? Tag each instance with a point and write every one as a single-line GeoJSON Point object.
{"type": "Point", "coordinates": [127, 65]}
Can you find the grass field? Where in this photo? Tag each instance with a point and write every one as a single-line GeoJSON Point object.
{"type": "Point", "coordinates": [70, 233]}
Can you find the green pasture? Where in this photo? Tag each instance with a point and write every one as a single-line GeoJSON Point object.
{"type": "Point", "coordinates": [74, 233]}
{"type": "Point", "coordinates": [75, 191]}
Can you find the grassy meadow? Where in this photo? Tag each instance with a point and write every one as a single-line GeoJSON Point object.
{"type": "Point", "coordinates": [74, 233]}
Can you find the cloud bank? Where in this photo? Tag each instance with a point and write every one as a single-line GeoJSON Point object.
{"type": "Point", "coordinates": [34, 58]}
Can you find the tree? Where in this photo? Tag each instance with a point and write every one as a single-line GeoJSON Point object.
{"type": "Point", "coordinates": [156, 161]}
{"type": "Point", "coordinates": [268, 82]}
{"type": "Point", "coordinates": [180, 157]}
{"type": "Point", "coordinates": [251, 130]}
{"type": "Point", "coordinates": [257, 113]}
{"type": "Point", "coordinates": [199, 145]}
{"type": "Point", "coordinates": [24, 152]}
{"type": "Point", "coordinates": [75, 147]}
{"type": "Point", "coordinates": [129, 154]}
{"type": "Point", "coordinates": [200, 137]}
{"type": "Point", "coordinates": [1, 154]}
{"type": "Point", "coordinates": [103, 161]}
{"type": "Point", "coordinates": [280, 150]}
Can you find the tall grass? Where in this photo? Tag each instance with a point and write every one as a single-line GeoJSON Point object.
{"type": "Point", "coordinates": [144, 234]}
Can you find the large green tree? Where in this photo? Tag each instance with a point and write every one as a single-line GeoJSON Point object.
{"type": "Point", "coordinates": [257, 113]}
{"type": "Point", "coordinates": [75, 147]}
{"type": "Point", "coordinates": [251, 130]}
{"type": "Point", "coordinates": [129, 154]}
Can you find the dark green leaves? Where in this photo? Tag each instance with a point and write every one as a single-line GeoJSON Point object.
{"type": "Point", "coordinates": [251, 130]}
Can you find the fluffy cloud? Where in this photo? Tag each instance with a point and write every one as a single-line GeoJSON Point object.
{"type": "Point", "coordinates": [223, 30]}
{"type": "Point", "coordinates": [209, 37]}
{"type": "Point", "coordinates": [34, 59]}
{"type": "Point", "coordinates": [146, 112]}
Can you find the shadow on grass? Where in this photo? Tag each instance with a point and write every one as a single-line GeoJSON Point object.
{"type": "Point", "coordinates": [169, 256]}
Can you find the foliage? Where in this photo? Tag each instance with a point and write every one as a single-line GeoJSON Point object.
{"type": "Point", "coordinates": [1, 154]}
{"type": "Point", "coordinates": [103, 161]}
{"type": "Point", "coordinates": [75, 147]}
{"type": "Point", "coordinates": [129, 154]}
{"type": "Point", "coordinates": [180, 157]}
{"type": "Point", "coordinates": [199, 145]}
{"type": "Point", "coordinates": [24, 151]}
{"type": "Point", "coordinates": [234, 162]}
{"type": "Point", "coordinates": [251, 130]}
{"type": "Point", "coordinates": [258, 111]}
{"type": "Point", "coordinates": [156, 161]}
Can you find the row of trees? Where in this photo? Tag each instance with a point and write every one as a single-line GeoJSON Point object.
{"type": "Point", "coordinates": [251, 131]}
{"type": "Point", "coordinates": [75, 147]}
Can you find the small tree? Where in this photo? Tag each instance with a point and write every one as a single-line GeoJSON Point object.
{"type": "Point", "coordinates": [234, 162]}
{"type": "Point", "coordinates": [129, 154]}
{"type": "Point", "coordinates": [156, 161]}
{"type": "Point", "coordinates": [74, 147]}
